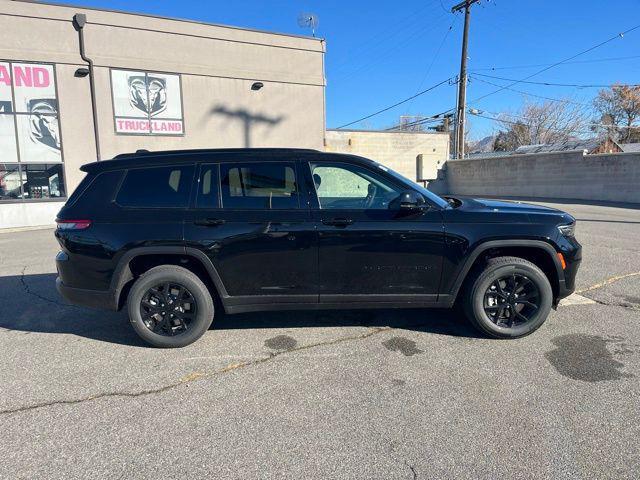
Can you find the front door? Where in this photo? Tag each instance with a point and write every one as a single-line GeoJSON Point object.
{"type": "Point", "coordinates": [251, 221]}
{"type": "Point", "coordinates": [369, 252]}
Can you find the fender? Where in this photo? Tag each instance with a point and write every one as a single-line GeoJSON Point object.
{"type": "Point", "coordinates": [483, 247]}
{"type": "Point", "coordinates": [122, 273]}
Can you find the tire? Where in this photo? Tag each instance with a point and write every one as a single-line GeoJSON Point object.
{"type": "Point", "coordinates": [482, 303]}
{"type": "Point", "coordinates": [196, 297]}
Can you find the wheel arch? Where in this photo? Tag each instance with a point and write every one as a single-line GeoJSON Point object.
{"type": "Point", "coordinates": [137, 260]}
{"type": "Point", "coordinates": [539, 252]}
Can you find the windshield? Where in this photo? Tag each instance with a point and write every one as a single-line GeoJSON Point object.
{"type": "Point", "coordinates": [440, 202]}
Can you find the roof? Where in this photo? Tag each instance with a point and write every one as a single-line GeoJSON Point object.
{"type": "Point", "coordinates": [172, 157]}
{"type": "Point", "coordinates": [589, 145]}
{"type": "Point", "coordinates": [630, 147]}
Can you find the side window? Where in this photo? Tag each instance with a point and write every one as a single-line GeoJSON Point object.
{"type": "Point", "coordinates": [156, 187]}
{"type": "Point", "coordinates": [269, 185]}
{"type": "Point", "coordinates": [350, 187]}
{"type": "Point", "coordinates": [207, 195]}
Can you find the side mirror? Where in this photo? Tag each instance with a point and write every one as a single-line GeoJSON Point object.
{"type": "Point", "coordinates": [408, 201]}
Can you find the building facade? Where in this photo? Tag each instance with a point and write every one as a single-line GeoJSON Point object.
{"type": "Point", "coordinates": [158, 84]}
{"type": "Point", "coordinates": [396, 150]}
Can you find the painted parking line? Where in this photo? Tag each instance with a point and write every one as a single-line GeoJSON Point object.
{"type": "Point", "coordinates": [575, 299]}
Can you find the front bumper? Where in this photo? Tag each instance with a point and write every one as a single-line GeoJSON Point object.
{"type": "Point", "coordinates": [572, 253]}
{"type": "Point", "coordinates": [103, 300]}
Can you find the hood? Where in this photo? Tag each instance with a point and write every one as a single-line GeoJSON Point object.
{"type": "Point", "coordinates": [504, 210]}
{"type": "Point", "coordinates": [469, 203]}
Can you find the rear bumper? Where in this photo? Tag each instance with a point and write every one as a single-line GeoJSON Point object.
{"type": "Point", "coordinates": [103, 300]}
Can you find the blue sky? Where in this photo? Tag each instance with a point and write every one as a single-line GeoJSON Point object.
{"type": "Point", "coordinates": [380, 52]}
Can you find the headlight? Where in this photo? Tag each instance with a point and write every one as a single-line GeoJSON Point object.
{"type": "Point", "coordinates": [567, 230]}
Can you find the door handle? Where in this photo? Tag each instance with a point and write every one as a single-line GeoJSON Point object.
{"type": "Point", "coordinates": [338, 222]}
{"type": "Point", "coordinates": [210, 222]}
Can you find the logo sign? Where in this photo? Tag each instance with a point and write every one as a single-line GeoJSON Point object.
{"type": "Point", "coordinates": [146, 103]}
{"type": "Point", "coordinates": [43, 122]}
{"type": "Point", "coordinates": [28, 91]}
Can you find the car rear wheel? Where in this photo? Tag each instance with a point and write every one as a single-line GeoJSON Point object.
{"type": "Point", "coordinates": [169, 307]}
{"type": "Point", "coordinates": [509, 298]}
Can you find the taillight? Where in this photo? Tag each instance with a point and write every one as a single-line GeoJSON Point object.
{"type": "Point", "coordinates": [73, 224]}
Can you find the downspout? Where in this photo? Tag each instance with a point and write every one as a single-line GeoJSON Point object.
{"type": "Point", "coordinates": [79, 21]}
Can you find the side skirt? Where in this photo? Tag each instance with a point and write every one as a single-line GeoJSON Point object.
{"type": "Point", "coordinates": [270, 307]}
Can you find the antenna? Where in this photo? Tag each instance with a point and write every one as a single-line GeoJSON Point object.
{"type": "Point", "coordinates": [308, 20]}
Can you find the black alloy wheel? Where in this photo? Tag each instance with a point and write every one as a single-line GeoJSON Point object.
{"type": "Point", "coordinates": [168, 309]}
{"type": "Point", "coordinates": [512, 300]}
{"type": "Point", "coordinates": [507, 297]}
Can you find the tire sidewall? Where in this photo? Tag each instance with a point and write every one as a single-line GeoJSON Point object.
{"type": "Point", "coordinates": [492, 274]}
{"type": "Point", "coordinates": [204, 305]}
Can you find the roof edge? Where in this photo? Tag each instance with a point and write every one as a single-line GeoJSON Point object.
{"type": "Point", "coordinates": [176, 19]}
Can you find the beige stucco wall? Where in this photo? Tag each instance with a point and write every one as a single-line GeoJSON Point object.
{"type": "Point", "coordinates": [556, 175]}
{"type": "Point", "coordinates": [396, 150]}
{"type": "Point", "coordinates": [217, 64]}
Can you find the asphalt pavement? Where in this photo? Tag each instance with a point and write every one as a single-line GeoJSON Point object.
{"type": "Point", "coordinates": [342, 394]}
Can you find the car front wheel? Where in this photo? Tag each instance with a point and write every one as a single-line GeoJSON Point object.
{"type": "Point", "coordinates": [509, 298]}
{"type": "Point", "coordinates": [169, 307]}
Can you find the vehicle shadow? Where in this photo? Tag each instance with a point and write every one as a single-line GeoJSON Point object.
{"type": "Point", "coordinates": [436, 321]}
{"type": "Point", "coordinates": [32, 305]}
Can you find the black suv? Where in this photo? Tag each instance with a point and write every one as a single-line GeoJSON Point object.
{"type": "Point", "coordinates": [175, 235]}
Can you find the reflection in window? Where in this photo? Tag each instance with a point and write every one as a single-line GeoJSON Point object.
{"type": "Point", "coordinates": [208, 187]}
{"type": "Point", "coordinates": [8, 145]}
{"type": "Point", "coordinates": [346, 186]}
{"type": "Point", "coordinates": [156, 187]}
{"type": "Point", "coordinates": [259, 186]}
{"type": "Point", "coordinates": [42, 181]}
{"type": "Point", "coordinates": [9, 182]}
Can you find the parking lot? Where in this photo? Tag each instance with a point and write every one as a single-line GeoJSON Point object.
{"type": "Point", "coordinates": [370, 394]}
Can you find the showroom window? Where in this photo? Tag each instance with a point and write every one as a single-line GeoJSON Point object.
{"type": "Point", "coordinates": [30, 141]}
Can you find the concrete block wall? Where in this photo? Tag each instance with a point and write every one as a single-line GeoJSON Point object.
{"type": "Point", "coordinates": [562, 175]}
{"type": "Point", "coordinates": [396, 150]}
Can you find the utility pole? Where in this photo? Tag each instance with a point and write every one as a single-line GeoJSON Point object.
{"type": "Point", "coordinates": [462, 81]}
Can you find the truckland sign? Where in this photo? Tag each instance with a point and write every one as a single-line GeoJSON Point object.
{"type": "Point", "coordinates": [29, 129]}
{"type": "Point", "coordinates": [146, 103]}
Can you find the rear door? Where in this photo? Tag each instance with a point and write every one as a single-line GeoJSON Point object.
{"type": "Point", "coordinates": [367, 251]}
{"type": "Point", "coordinates": [251, 219]}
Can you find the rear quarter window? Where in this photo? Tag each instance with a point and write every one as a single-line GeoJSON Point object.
{"type": "Point", "coordinates": [156, 187]}
{"type": "Point", "coordinates": [94, 192]}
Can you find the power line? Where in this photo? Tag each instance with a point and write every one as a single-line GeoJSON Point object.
{"type": "Point", "coordinates": [548, 67]}
{"type": "Point", "coordinates": [385, 53]}
{"type": "Point", "coordinates": [551, 84]}
{"type": "Point", "coordinates": [396, 104]}
{"type": "Point", "coordinates": [603, 125]}
{"type": "Point", "coordinates": [435, 57]}
{"type": "Point", "coordinates": [502, 120]}
{"type": "Point", "coordinates": [405, 23]}
{"type": "Point", "coordinates": [422, 121]}
{"type": "Point", "coordinates": [620, 35]}
{"type": "Point", "coordinates": [595, 60]}
{"type": "Point", "coordinates": [531, 94]}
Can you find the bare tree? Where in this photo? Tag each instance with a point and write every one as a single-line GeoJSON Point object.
{"type": "Point", "coordinates": [619, 109]}
{"type": "Point", "coordinates": [412, 123]}
{"type": "Point", "coordinates": [540, 123]}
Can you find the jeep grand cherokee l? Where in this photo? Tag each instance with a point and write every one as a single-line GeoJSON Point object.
{"type": "Point", "coordinates": [176, 235]}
